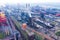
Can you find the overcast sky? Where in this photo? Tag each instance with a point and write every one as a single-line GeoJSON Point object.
{"type": "Point", "coordinates": [28, 1]}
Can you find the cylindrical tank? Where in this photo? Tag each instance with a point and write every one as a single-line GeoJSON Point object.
{"type": "Point", "coordinates": [24, 25]}
{"type": "Point", "coordinates": [2, 18]}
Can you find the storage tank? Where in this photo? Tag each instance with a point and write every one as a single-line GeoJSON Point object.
{"type": "Point", "coordinates": [2, 18]}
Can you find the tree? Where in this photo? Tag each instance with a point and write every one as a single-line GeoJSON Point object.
{"type": "Point", "coordinates": [58, 34]}
{"type": "Point", "coordinates": [2, 35]}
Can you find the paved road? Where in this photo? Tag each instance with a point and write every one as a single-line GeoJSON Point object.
{"type": "Point", "coordinates": [44, 35]}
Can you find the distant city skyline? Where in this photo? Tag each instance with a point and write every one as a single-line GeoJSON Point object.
{"type": "Point", "coordinates": [54, 3]}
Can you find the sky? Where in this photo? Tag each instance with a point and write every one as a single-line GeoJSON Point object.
{"type": "Point", "coordinates": [47, 2]}
{"type": "Point", "coordinates": [28, 1]}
